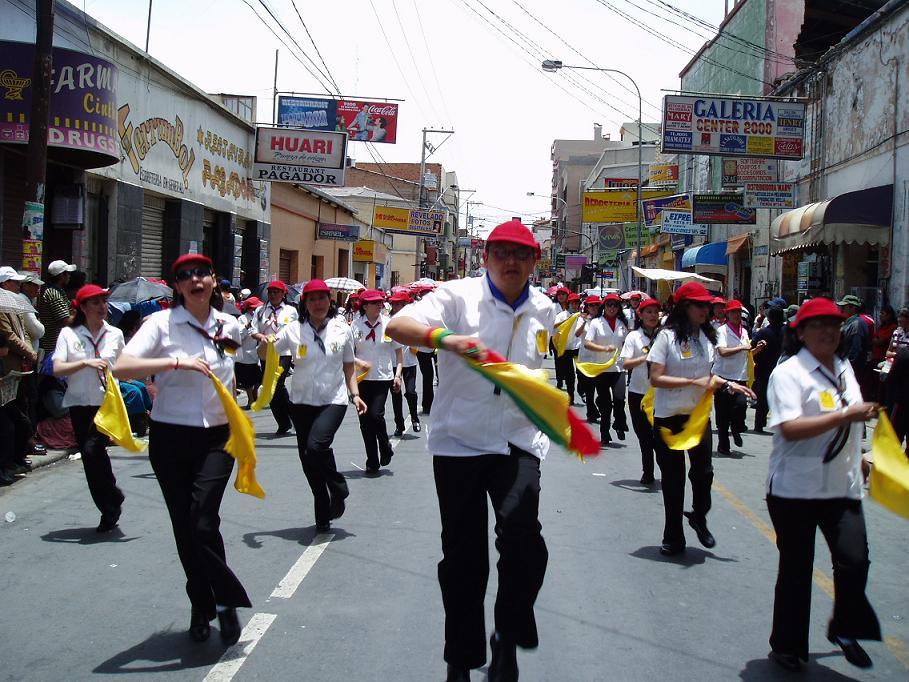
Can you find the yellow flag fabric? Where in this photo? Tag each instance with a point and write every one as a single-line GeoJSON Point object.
{"type": "Point", "coordinates": [270, 375]}
{"type": "Point", "coordinates": [694, 428]}
{"type": "Point", "coordinates": [647, 405]}
{"type": "Point", "coordinates": [750, 369]}
{"type": "Point", "coordinates": [890, 473]}
{"type": "Point", "coordinates": [242, 442]}
{"type": "Point", "coordinates": [595, 369]}
{"type": "Point", "coordinates": [112, 420]}
{"type": "Point", "coordinates": [362, 375]}
{"type": "Point", "coordinates": [563, 334]}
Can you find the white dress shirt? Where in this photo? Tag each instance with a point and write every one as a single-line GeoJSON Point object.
{"type": "Point", "coordinates": [378, 350]}
{"type": "Point", "coordinates": [636, 345]}
{"type": "Point", "coordinates": [735, 367]}
{"type": "Point", "coordinates": [574, 342]}
{"type": "Point", "coordinates": [247, 353]}
{"type": "Point", "coordinates": [86, 386]}
{"type": "Point", "coordinates": [692, 359]}
{"type": "Point", "coordinates": [468, 417]}
{"type": "Point", "coordinates": [269, 320]}
{"type": "Point", "coordinates": [600, 333]}
{"type": "Point", "coordinates": [318, 377]}
{"type": "Point", "coordinates": [802, 387]}
{"type": "Point", "coordinates": [186, 397]}
{"type": "Point", "coordinates": [33, 326]}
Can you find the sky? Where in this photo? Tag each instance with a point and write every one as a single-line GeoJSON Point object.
{"type": "Point", "coordinates": [472, 66]}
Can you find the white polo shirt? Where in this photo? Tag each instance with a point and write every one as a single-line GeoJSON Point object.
{"type": "Point", "coordinates": [468, 417]}
{"type": "Point", "coordinates": [600, 333]}
{"type": "Point", "coordinates": [692, 359]}
{"type": "Point", "coordinates": [636, 345]}
{"type": "Point", "coordinates": [379, 349]}
{"type": "Point", "coordinates": [247, 353]}
{"type": "Point", "coordinates": [584, 355]}
{"type": "Point", "coordinates": [85, 387]}
{"type": "Point", "coordinates": [186, 397]}
{"type": "Point", "coordinates": [269, 320]}
{"type": "Point", "coordinates": [734, 367]}
{"type": "Point", "coordinates": [318, 377]}
{"type": "Point", "coordinates": [574, 342]}
{"type": "Point", "coordinates": [802, 387]}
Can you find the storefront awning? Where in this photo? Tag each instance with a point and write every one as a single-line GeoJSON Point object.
{"type": "Point", "coordinates": [733, 244]}
{"type": "Point", "coordinates": [861, 217]}
{"type": "Point", "coordinates": [705, 254]}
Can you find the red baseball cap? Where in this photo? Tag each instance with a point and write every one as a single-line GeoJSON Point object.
{"type": "Point", "coordinates": [89, 291]}
{"type": "Point", "coordinates": [717, 299]}
{"type": "Point", "coordinates": [593, 299]}
{"type": "Point", "coordinates": [733, 304]}
{"type": "Point", "coordinates": [190, 258]}
{"type": "Point", "coordinates": [516, 232]}
{"type": "Point", "coordinates": [399, 297]}
{"type": "Point", "coordinates": [647, 302]}
{"type": "Point", "coordinates": [574, 297]}
{"type": "Point", "coordinates": [372, 296]}
{"type": "Point", "coordinates": [311, 287]}
{"type": "Point", "coordinates": [250, 303]}
{"type": "Point", "coordinates": [692, 291]}
{"type": "Point", "coordinates": [278, 284]}
{"type": "Point", "coordinates": [613, 297]}
{"type": "Point", "coordinates": [817, 307]}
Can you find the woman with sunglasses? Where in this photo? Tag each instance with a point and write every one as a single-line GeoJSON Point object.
{"type": "Point", "coordinates": [605, 335]}
{"type": "Point", "coordinates": [386, 360]}
{"type": "Point", "coordinates": [322, 346]}
{"type": "Point", "coordinates": [85, 350]}
{"type": "Point", "coordinates": [586, 387]}
{"type": "Point", "coordinates": [182, 347]}
{"type": "Point", "coordinates": [816, 481]}
{"type": "Point", "coordinates": [681, 360]}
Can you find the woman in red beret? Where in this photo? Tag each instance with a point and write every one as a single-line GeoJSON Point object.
{"type": "Point", "coordinates": [85, 350]}
{"type": "Point", "coordinates": [182, 346]}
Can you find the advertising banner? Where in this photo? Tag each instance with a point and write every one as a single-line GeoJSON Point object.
{"type": "Point", "coordinates": [610, 183]}
{"type": "Point", "coordinates": [312, 157]}
{"type": "Point", "coordinates": [652, 208]}
{"type": "Point", "coordinates": [612, 237]}
{"type": "Point", "coordinates": [362, 121]}
{"type": "Point", "coordinates": [732, 126]}
{"type": "Point", "coordinates": [615, 205]}
{"type": "Point", "coordinates": [663, 173]}
{"type": "Point", "coordinates": [739, 171]}
{"type": "Point", "coordinates": [368, 251]}
{"type": "Point", "coordinates": [575, 262]}
{"type": "Point", "coordinates": [718, 209]}
{"type": "Point", "coordinates": [679, 222]}
{"type": "Point", "coordinates": [408, 220]}
{"type": "Point", "coordinates": [769, 195]}
{"type": "Point", "coordinates": [349, 233]}
{"type": "Point", "coordinates": [631, 235]}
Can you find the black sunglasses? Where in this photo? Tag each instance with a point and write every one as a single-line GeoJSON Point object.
{"type": "Point", "coordinates": [199, 272]}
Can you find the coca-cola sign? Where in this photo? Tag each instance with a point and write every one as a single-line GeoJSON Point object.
{"type": "Point", "coordinates": [362, 121]}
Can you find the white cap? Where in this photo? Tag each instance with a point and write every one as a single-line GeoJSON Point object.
{"type": "Point", "coordinates": [245, 293]}
{"type": "Point", "coordinates": [31, 277]}
{"type": "Point", "coordinates": [58, 267]}
{"type": "Point", "coordinates": [7, 273]}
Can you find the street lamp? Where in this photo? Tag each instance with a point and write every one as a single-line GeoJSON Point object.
{"type": "Point", "coordinates": [553, 65]}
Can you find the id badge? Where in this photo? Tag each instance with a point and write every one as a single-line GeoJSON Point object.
{"type": "Point", "coordinates": [301, 351]}
{"type": "Point", "coordinates": [686, 350]}
{"type": "Point", "coordinates": [542, 341]}
{"type": "Point", "coordinates": [827, 401]}
{"type": "Point", "coordinates": [386, 339]}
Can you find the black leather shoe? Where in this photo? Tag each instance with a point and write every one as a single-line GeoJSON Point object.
{"type": "Point", "coordinates": [620, 434]}
{"type": "Point", "coordinates": [737, 439]}
{"type": "Point", "coordinates": [456, 674]}
{"type": "Point", "coordinates": [700, 527]}
{"type": "Point", "coordinates": [39, 449]}
{"type": "Point", "coordinates": [672, 548]}
{"type": "Point", "coordinates": [788, 662]}
{"type": "Point", "coordinates": [371, 472]}
{"type": "Point", "coordinates": [852, 651]}
{"type": "Point", "coordinates": [723, 450]}
{"type": "Point", "coordinates": [323, 527]}
{"type": "Point", "coordinates": [647, 479]}
{"type": "Point", "coordinates": [199, 629]}
{"type": "Point", "coordinates": [283, 431]}
{"type": "Point", "coordinates": [503, 667]}
{"type": "Point", "coordinates": [108, 523]}
{"type": "Point", "coordinates": [336, 508]}
{"type": "Point", "coordinates": [416, 427]}
{"type": "Point", "coordinates": [229, 626]}
{"type": "Point", "coordinates": [385, 458]}
{"type": "Point", "coordinates": [398, 433]}
{"type": "Point", "coordinates": [24, 462]}
{"type": "Point", "coordinates": [6, 478]}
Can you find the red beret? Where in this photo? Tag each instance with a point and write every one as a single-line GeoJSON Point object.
{"type": "Point", "coordinates": [613, 298]}
{"type": "Point", "coordinates": [399, 297]}
{"type": "Point", "coordinates": [89, 291]}
{"type": "Point", "coordinates": [277, 284]}
{"type": "Point", "coordinates": [692, 291]}
{"type": "Point", "coordinates": [574, 297]}
{"type": "Point", "coordinates": [593, 299]}
{"type": "Point", "coordinates": [372, 296]}
{"type": "Point", "coordinates": [817, 307]}
{"type": "Point", "coordinates": [733, 304]}
{"type": "Point", "coordinates": [647, 302]}
{"type": "Point", "coordinates": [312, 286]}
{"type": "Point", "coordinates": [515, 232]}
{"type": "Point", "coordinates": [190, 258]}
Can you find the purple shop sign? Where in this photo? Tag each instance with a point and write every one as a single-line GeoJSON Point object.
{"type": "Point", "coordinates": [350, 233]}
{"type": "Point", "coordinates": [83, 105]}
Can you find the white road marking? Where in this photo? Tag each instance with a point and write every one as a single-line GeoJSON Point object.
{"type": "Point", "coordinates": [395, 440]}
{"type": "Point", "coordinates": [357, 466]}
{"type": "Point", "coordinates": [233, 658]}
{"type": "Point", "coordinates": [598, 474]}
{"type": "Point", "coordinates": [291, 581]}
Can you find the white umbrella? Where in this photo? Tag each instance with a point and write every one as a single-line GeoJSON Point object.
{"type": "Point", "coordinates": [675, 276]}
{"type": "Point", "coordinates": [344, 284]}
{"type": "Point", "coordinates": [13, 303]}
{"type": "Point", "coordinates": [628, 294]}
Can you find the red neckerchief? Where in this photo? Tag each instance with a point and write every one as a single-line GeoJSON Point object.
{"type": "Point", "coordinates": [372, 329]}
{"type": "Point", "coordinates": [221, 342]}
{"type": "Point", "coordinates": [273, 316]}
{"type": "Point", "coordinates": [737, 332]}
{"type": "Point", "coordinates": [612, 322]}
{"type": "Point", "coordinates": [96, 346]}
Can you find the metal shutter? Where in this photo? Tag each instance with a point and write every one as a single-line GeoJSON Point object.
{"type": "Point", "coordinates": [284, 265]}
{"type": "Point", "coordinates": [152, 236]}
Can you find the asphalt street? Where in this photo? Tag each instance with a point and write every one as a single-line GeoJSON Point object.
{"type": "Point", "coordinates": [363, 603]}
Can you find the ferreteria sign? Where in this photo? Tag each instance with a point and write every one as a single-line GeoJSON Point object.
{"type": "Point", "coordinates": [733, 126]}
{"type": "Point", "coordinates": [312, 157]}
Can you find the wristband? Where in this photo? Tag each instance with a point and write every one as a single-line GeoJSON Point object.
{"type": "Point", "coordinates": [435, 336]}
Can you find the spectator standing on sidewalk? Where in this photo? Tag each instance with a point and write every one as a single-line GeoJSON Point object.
{"type": "Point", "coordinates": [765, 362]}
{"type": "Point", "coordinates": [54, 305]}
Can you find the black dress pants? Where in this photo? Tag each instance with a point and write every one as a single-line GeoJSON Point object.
{"type": "Point", "coordinates": [372, 424]}
{"type": "Point", "coordinates": [610, 387]}
{"type": "Point", "coordinates": [587, 388]}
{"type": "Point", "coordinates": [409, 381]}
{"type": "Point", "coordinates": [843, 525]}
{"type": "Point", "coordinates": [672, 475]}
{"type": "Point", "coordinates": [730, 414]}
{"type": "Point", "coordinates": [98, 471]}
{"type": "Point", "coordinates": [512, 484]}
{"type": "Point", "coordinates": [192, 469]}
{"type": "Point", "coordinates": [427, 370]}
{"type": "Point", "coordinates": [762, 408]}
{"type": "Point", "coordinates": [280, 401]}
{"type": "Point", "coordinates": [643, 431]}
{"type": "Point", "coordinates": [565, 371]}
{"type": "Point", "coordinates": [316, 426]}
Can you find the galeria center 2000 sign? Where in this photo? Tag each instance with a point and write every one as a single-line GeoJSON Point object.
{"type": "Point", "coordinates": [313, 157]}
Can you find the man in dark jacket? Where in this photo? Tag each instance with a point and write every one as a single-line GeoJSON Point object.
{"type": "Point", "coordinates": [765, 362]}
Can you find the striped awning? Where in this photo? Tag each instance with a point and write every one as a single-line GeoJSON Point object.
{"type": "Point", "coordinates": [861, 217]}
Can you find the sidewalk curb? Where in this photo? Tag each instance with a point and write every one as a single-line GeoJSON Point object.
{"type": "Point", "coordinates": [52, 457]}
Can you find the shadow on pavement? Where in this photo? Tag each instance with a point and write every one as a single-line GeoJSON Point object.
{"type": "Point", "coordinates": [162, 652]}
{"type": "Point", "coordinates": [302, 535]}
{"type": "Point", "coordinates": [734, 454]}
{"type": "Point", "coordinates": [762, 669]}
{"type": "Point", "coordinates": [636, 486]}
{"type": "Point", "coordinates": [692, 556]}
{"type": "Point", "coordinates": [359, 473]}
{"type": "Point", "coordinates": [85, 536]}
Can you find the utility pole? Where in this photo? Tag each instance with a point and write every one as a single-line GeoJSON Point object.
{"type": "Point", "coordinates": [422, 200]}
{"type": "Point", "coordinates": [274, 94]}
{"type": "Point", "coordinates": [36, 152]}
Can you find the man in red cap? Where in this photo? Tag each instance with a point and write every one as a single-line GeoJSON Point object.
{"type": "Point", "coordinates": [484, 446]}
{"type": "Point", "coordinates": [267, 321]}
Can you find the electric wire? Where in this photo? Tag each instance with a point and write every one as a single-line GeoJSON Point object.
{"type": "Point", "coordinates": [413, 60]}
{"type": "Point", "coordinates": [316, 48]}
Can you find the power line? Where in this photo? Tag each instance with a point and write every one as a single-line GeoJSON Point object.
{"type": "Point", "coordinates": [315, 47]}
{"type": "Point", "coordinates": [413, 59]}
{"type": "Point", "coordinates": [432, 64]}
